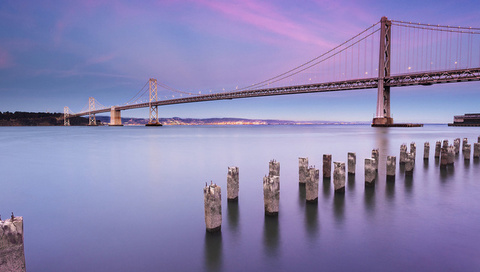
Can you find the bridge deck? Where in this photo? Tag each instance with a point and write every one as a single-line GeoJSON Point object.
{"type": "Point", "coordinates": [423, 78]}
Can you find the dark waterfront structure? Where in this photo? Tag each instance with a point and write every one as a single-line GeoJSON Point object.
{"type": "Point", "coordinates": [467, 120]}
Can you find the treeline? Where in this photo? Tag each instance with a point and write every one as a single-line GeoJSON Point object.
{"type": "Point", "coordinates": [20, 118]}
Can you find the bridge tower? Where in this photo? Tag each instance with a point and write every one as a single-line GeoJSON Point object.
{"type": "Point", "coordinates": [382, 116]}
{"type": "Point", "coordinates": [153, 109]}
{"type": "Point", "coordinates": [91, 116]}
{"type": "Point", "coordinates": [66, 115]}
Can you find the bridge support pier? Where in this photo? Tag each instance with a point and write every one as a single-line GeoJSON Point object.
{"type": "Point", "coordinates": [382, 117]}
{"type": "Point", "coordinates": [153, 109]}
{"type": "Point", "coordinates": [115, 117]}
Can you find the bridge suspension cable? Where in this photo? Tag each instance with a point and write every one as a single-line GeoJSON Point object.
{"type": "Point", "coordinates": [307, 64]}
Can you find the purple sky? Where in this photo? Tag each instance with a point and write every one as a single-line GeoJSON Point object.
{"type": "Point", "coordinates": [59, 53]}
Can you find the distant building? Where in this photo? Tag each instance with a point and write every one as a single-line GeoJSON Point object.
{"type": "Point", "coordinates": [469, 119]}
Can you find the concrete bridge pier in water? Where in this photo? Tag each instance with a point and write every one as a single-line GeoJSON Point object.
{"type": "Point", "coordinates": [115, 117]}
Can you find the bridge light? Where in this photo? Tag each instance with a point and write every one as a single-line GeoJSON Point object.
{"type": "Point", "coordinates": [409, 67]}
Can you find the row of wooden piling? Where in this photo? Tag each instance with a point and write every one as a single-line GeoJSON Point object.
{"type": "Point", "coordinates": [309, 176]}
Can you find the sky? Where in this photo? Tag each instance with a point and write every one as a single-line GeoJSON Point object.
{"type": "Point", "coordinates": [60, 53]}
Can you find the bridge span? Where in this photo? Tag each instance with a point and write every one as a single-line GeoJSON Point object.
{"type": "Point", "coordinates": [426, 74]}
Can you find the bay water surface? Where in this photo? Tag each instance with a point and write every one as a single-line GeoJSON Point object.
{"type": "Point", "coordinates": [131, 199]}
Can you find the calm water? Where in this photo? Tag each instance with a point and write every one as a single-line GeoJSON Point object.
{"type": "Point", "coordinates": [131, 199]}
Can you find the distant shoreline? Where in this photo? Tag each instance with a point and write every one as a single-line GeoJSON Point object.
{"type": "Point", "coordinates": [9, 119]}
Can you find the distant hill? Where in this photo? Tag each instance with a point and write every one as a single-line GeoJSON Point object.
{"type": "Point", "coordinates": [20, 118]}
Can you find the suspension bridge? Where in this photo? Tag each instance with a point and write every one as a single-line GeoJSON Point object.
{"type": "Point", "coordinates": [387, 54]}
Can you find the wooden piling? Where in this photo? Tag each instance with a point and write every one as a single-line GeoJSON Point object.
{"type": "Point", "coordinates": [233, 184]}
{"type": "Point", "coordinates": [311, 188]}
{"type": "Point", "coordinates": [212, 195]}
{"type": "Point", "coordinates": [327, 165]}
{"type": "Point", "coordinates": [303, 170]}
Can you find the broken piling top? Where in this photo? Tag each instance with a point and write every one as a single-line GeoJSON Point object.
{"type": "Point", "coordinates": [413, 149]}
{"type": "Point", "coordinates": [233, 184]}
{"type": "Point", "coordinates": [438, 148]}
{"type": "Point", "coordinates": [403, 153]}
{"type": "Point", "coordinates": [456, 144]}
{"type": "Point", "coordinates": [466, 152]}
{"type": "Point", "coordinates": [274, 168]}
{"type": "Point", "coordinates": [375, 156]}
{"type": "Point", "coordinates": [311, 188]}
{"type": "Point", "coordinates": [370, 172]}
{"type": "Point", "coordinates": [443, 157]}
{"type": "Point", "coordinates": [302, 170]}
{"type": "Point", "coordinates": [327, 165]}
{"type": "Point", "coordinates": [409, 164]}
{"type": "Point", "coordinates": [391, 165]}
{"type": "Point", "coordinates": [339, 176]}
{"type": "Point", "coordinates": [271, 194]}
{"type": "Point", "coordinates": [464, 142]}
{"type": "Point", "coordinates": [445, 143]}
{"type": "Point", "coordinates": [451, 155]}
{"type": "Point", "coordinates": [12, 254]}
{"type": "Point", "coordinates": [476, 150]}
{"type": "Point", "coordinates": [426, 150]}
{"type": "Point", "coordinates": [352, 161]}
{"type": "Point", "coordinates": [212, 195]}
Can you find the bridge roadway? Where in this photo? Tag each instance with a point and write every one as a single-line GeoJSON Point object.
{"type": "Point", "coordinates": [422, 78]}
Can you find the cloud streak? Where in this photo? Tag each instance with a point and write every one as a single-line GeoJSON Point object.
{"type": "Point", "coordinates": [265, 17]}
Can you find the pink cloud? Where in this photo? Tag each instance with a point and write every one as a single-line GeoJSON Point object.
{"type": "Point", "coordinates": [265, 17]}
{"type": "Point", "coordinates": [100, 59]}
{"type": "Point", "coordinates": [6, 59]}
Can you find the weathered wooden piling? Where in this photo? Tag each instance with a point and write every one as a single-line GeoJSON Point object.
{"type": "Point", "coordinates": [391, 165]}
{"type": "Point", "coordinates": [409, 164]}
{"type": "Point", "coordinates": [478, 140]}
{"type": "Point", "coordinates": [456, 144]}
{"type": "Point", "coordinates": [467, 149]}
{"type": "Point", "coordinates": [311, 188]}
{"type": "Point", "coordinates": [426, 150]}
{"type": "Point", "coordinates": [443, 157]}
{"type": "Point", "coordinates": [233, 184]}
{"type": "Point", "coordinates": [339, 177]}
{"type": "Point", "coordinates": [413, 150]}
{"type": "Point", "coordinates": [403, 153]}
{"type": "Point", "coordinates": [438, 148]}
{"type": "Point", "coordinates": [445, 143]}
{"type": "Point", "coordinates": [476, 150]}
{"type": "Point", "coordinates": [274, 168]}
{"type": "Point", "coordinates": [303, 170]}
{"type": "Point", "coordinates": [464, 142]}
{"type": "Point", "coordinates": [370, 172]}
{"type": "Point", "coordinates": [12, 252]}
{"type": "Point", "coordinates": [451, 155]}
{"type": "Point", "coordinates": [271, 194]}
{"type": "Point", "coordinates": [375, 156]}
{"type": "Point", "coordinates": [352, 161]}
{"type": "Point", "coordinates": [212, 196]}
{"type": "Point", "coordinates": [327, 165]}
